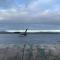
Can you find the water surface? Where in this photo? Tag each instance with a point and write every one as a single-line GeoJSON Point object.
{"type": "Point", "coordinates": [30, 38]}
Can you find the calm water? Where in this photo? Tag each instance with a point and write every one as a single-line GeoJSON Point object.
{"type": "Point", "coordinates": [30, 38]}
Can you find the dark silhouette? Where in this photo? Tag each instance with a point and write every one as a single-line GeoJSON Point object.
{"type": "Point", "coordinates": [25, 33]}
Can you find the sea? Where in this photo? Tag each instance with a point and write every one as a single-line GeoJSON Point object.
{"type": "Point", "coordinates": [30, 38]}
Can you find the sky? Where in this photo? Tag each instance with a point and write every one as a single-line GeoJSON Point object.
{"type": "Point", "coordinates": [30, 11]}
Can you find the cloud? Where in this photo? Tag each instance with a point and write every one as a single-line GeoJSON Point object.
{"type": "Point", "coordinates": [36, 11]}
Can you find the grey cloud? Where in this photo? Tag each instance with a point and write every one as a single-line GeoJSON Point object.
{"type": "Point", "coordinates": [27, 15]}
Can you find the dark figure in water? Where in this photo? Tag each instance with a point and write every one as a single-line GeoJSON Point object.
{"type": "Point", "coordinates": [25, 33]}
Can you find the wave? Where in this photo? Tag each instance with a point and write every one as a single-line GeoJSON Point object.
{"type": "Point", "coordinates": [31, 31]}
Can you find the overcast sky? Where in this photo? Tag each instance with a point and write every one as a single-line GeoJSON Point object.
{"type": "Point", "coordinates": [30, 11]}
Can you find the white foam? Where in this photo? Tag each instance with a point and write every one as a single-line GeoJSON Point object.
{"type": "Point", "coordinates": [33, 31]}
